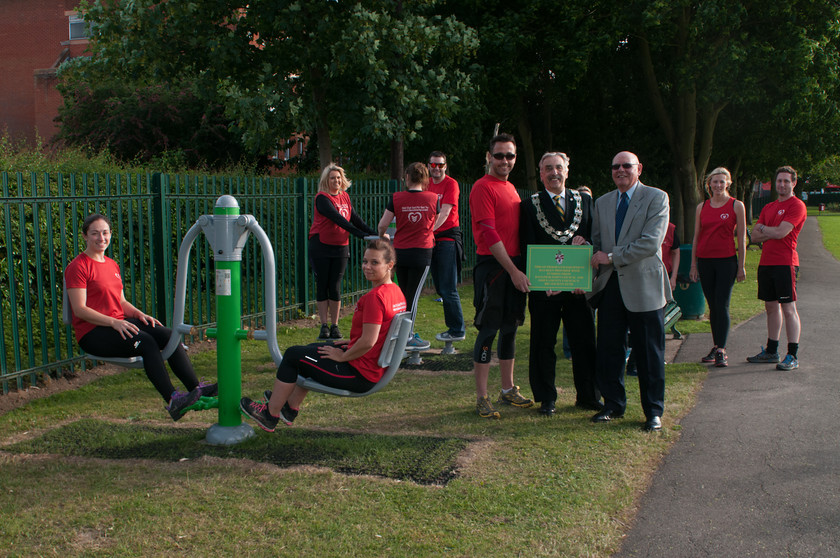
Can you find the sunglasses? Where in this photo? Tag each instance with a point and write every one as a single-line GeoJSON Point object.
{"type": "Point", "coordinates": [508, 156]}
{"type": "Point", "coordinates": [437, 165]}
{"type": "Point", "coordinates": [625, 166]}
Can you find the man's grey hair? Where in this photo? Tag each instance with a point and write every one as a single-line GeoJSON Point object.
{"type": "Point", "coordinates": [555, 154]}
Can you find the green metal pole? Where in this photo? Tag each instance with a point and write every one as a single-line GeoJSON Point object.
{"type": "Point", "coordinates": [228, 351]}
{"type": "Point", "coordinates": [228, 237]}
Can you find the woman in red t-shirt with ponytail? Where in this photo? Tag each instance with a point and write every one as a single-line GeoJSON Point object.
{"type": "Point", "coordinates": [719, 221]}
{"type": "Point", "coordinates": [416, 211]}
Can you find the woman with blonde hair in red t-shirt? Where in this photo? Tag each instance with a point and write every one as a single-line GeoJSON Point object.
{"type": "Point", "coordinates": [108, 325]}
{"type": "Point", "coordinates": [333, 221]}
{"type": "Point", "coordinates": [719, 222]}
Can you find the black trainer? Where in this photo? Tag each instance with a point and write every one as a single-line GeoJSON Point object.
{"type": "Point", "coordinates": [180, 401]}
{"type": "Point", "coordinates": [287, 414]}
{"type": "Point", "coordinates": [206, 389]}
{"type": "Point", "coordinates": [325, 332]}
{"type": "Point", "coordinates": [258, 411]}
{"type": "Point", "coordinates": [334, 332]}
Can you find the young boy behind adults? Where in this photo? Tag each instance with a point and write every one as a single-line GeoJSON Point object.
{"type": "Point", "coordinates": [778, 229]}
{"type": "Point", "coordinates": [500, 284]}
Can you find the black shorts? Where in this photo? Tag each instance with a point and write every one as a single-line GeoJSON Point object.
{"type": "Point", "coordinates": [777, 283]}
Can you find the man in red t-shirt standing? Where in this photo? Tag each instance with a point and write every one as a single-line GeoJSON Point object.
{"type": "Point", "coordinates": [500, 284]}
{"type": "Point", "coordinates": [778, 228]}
{"type": "Point", "coordinates": [449, 247]}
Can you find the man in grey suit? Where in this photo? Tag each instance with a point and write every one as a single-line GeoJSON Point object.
{"type": "Point", "coordinates": [630, 290]}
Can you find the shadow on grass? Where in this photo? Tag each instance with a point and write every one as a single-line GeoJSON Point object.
{"type": "Point", "coordinates": [421, 459]}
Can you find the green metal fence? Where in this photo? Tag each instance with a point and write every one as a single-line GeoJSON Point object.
{"type": "Point", "coordinates": [40, 231]}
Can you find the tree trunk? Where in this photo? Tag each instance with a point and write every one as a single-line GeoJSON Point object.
{"type": "Point", "coordinates": [397, 155]}
{"type": "Point", "coordinates": [322, 126]}
{"type": "Point", "coordinates": [527, 149]}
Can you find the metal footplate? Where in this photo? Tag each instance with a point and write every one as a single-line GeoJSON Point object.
{"type": "Point", "coordinates": [449, 348]}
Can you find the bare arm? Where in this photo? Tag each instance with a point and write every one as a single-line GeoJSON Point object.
{"type": "Point", "coordinates": [445, 210]}
{"type": "Point", "coordinates": [692, 273]}
{"type": "Point", "coordinates": [385, 222]}
{"type": "Point", "coordinates": [675, 266]}
{"type": "Point", "coordinates": [520, 280]}
{"type": "Point", "coordinates": [370, 333]}
{"type": "Point", "coordinates": [762, 232]}
{"type": "Point", "coordinates": [126, 329]}
{"type": "Point", "coordinates": [741, 232]}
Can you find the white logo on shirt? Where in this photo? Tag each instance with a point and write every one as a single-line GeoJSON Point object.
{"type": "Point", "coordinates": [414, 217]}
{"type": "Point", "coordinates": [724, 216]}
{"type": "Point", "coordinates": [781, 212]}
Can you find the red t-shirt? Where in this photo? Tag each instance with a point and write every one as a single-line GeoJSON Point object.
{"type": "Point", "coordinates": [326, 229]}
{"type": "Point", "coordinates": [416, 212]}
{"type": "Point", "coordinates": [378, 306]}
{"type": "Point", "coordinates": [449, 191]}
{"type": "Point", "coordinates": [717, 230]}
{"type": "Point", "coordinates": [782, 251]}
{"type": "Point", "coordinates": [104, 287]}
{"type": "Point", "coordinates": [498, 200]}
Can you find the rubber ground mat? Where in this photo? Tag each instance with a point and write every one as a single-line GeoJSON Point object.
{"type": "Point", "coordinates": [461, 362]}
{"type": "Point", "coordinates": [422, 459]}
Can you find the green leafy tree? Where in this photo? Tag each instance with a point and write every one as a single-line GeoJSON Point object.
{"type": "Point", "coordinates": [372, 70]}
{"type": "Point", "coordinates": [748, 62]}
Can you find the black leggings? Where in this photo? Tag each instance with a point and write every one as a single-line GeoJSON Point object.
{"type": "Point", "coordinates": [717, 276]}
{"type": "Point", "coordinates": [304, 360]}
{"type": "Point", "coordinates": [482, 351]}
{"type": "Point", "coordinates": [107, 342]}
{"type": "Point", "coordinates": [409, 277]}
{"type": "Point", "coordinates": [328, 274]}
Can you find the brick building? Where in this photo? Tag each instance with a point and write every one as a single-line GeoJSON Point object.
{"type": "Point", "coordinates": [37, 37]}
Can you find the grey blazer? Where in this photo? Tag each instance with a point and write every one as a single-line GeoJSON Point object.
{"type": "Point", "coordinates": [637, 256]}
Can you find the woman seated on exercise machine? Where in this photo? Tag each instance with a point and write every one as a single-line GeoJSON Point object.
{"type": "Point", "coordinates": [346, 365]}
{"type": "Point", "coordinates": [106, 324]}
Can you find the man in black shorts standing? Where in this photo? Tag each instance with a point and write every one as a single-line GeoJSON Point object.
{"type": "Point", "coordinates": [778, 229]}
{"type": "Point", "coordinates": [500, 283]}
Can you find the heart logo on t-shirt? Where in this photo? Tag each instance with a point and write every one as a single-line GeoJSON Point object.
{"type": "Point", "coordinates": [781, 212]}
{"type": "Point", "coordinates": [724, 216]}
{"type": "Point", "coordinates": [414, 217]}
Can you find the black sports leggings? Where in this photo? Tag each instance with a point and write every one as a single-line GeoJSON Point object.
{"type": "Point", "coordinates": [482, 351]}
{"type": "Point", "coordinates": [409, 277]}
{"type": "Point", "coordinates": [304, 360]}
{"type": "Point", "coordinates": [717, 276]}
{"type": "Point", "coordinates": [107, 342]}
{"type": "Point", "coordinates": [328, 274]}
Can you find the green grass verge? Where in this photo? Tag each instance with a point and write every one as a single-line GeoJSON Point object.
{"type": "Point", "coordinates": [830, 227]}
{"type": "Point", "coordinates": [411, 471]}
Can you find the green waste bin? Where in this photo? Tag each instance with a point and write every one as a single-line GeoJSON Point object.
{"type": "Point", "coordinates": [687, 294]}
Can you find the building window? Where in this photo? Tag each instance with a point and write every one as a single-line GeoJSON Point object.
{"type": "Point", "coordinates": [78, 28]}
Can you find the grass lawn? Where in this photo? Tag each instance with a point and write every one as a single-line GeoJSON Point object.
{"type": "Point", "coordinates": [410, 471]}
{"type": "Point", "coordinates": [830, 228]}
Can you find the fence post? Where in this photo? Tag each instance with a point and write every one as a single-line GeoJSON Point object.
{"type": "Point", "coordinates": [302, 251]}
{"type": "Point", "coordinates": [156, 245]}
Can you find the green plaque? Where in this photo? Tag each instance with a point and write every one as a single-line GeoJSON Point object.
{"type": "Point", "coordinates": [555, 267]}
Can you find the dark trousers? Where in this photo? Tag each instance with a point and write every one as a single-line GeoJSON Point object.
{"type": "Point", "coordinates": [304, 360]}
{"type": "Point", "coordinates": [546, 314]}
{"type": "Point", "coordinates": [647, 336]}
{"type": "Point", "coordinates": [148, 343]}
{"type": "Point", "coordinates": [717, 276]}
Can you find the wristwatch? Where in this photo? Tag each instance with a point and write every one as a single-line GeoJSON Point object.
{"type": "Point", "coordinates": [609, 256]}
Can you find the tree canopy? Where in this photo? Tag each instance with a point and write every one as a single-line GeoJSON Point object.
{"type": "Point", "coordinates": [687, 85]}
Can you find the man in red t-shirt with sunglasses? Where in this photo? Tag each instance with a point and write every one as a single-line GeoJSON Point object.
{"type": "Point", "coordinates": [778, 228]}
{"type": "Point", "coordinates": [500, 283]}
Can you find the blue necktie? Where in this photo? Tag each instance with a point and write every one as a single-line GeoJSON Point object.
{"type": "Point", "coordinates": [620, 213]}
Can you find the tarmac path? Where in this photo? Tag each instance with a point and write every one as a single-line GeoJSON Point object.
{"type": "Point", "coordinates": [756, 471]}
